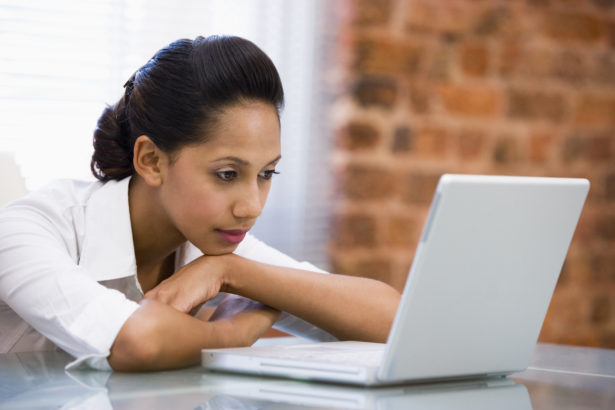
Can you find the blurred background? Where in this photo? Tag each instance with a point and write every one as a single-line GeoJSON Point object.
{"type": "Point", "coordinates": [383, 96]}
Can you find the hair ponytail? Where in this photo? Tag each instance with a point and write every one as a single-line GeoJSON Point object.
{"type": "Point", "coordinates": [112, 158]}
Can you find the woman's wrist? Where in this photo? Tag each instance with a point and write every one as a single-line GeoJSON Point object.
{"type": "Point", "coordinates": [242, 320]}
{"type": "Point", "coordinates": [231, 278]}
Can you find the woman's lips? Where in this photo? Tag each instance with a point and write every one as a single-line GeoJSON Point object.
{"type": "Point", "coordinates": [233, 235]}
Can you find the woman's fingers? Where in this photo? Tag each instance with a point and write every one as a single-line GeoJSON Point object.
{"type": "Point", "coordinates": [191, 286]}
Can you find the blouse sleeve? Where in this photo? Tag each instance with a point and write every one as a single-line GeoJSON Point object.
{"type": "Point", "coordinates": [254, 249]}
{"type": "Point", "coordinates": [43, 284]}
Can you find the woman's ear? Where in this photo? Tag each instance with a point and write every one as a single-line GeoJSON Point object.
{"type": "Point", "coordinates": [149, 161]}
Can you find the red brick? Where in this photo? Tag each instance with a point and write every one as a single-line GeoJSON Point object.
{"type": "Point", "coordinates": [402, 140]}
{"type": "Point", "coordinates": [587, 226]}
{"type": "Point", "coordinates": [527, 61]}
{"type": "Point", "coordinates": [400, 273]}
{"type": "Point", "coordinates": [533, 105]}
{"type": "Point", "coordinates": [569, 66]}
{"type": "Point", "coordinates": [471, 144]}
{"type": "Point", "coordinates": [445, 17]}
{"type": "Point", "coordinates": [368, 182]}
{"type": "Point", "coordinates": [372, 12]}
{"type": "Point", "coordinates": [442, 62]}
{"type": "Point", "coordinates": [499, 21]}
{"type": "Point", "coordinates": [574, 148]}
{"type": "Point", "coordinates": [420, 188]}
{"type": "Point", "coordinates": [601, 309]}
{"type": "Point", "coordinates": [564, 275]}
{"type": "Point", "coordinates": [578, 337]}
{"type": "Point", "coordinates": [420, 98]}
{"type": "Point", "coordinates": [401, 231]}
{"type": "Point", "coordinates": [359, 135]}
{"type": "Point", "coordinates": [578, 269]}
{"type": "Point", "coordinates": [431, 142]}
{"type": "Point", "coordinates": [573, 26]}
{"type": "Point", "coordinates": [507, 151]}
{"type": "Point", "coordinates": [603, 268]}
{"type": "Point", "coordinates": [376, 91]}
{"type": "Point", "coordinates": [540, 146]}
{"type": "Point", "coordinates": [607, 338]}
{"type": "Point", "coordinates": [535, 63]}
{"type": "Point", "coordinates": [470, 101]}
{"type": "Point", "coordinates": [596, 110]}
{"type": "Point", "coordinates": [388, 56]}
{"type": "Point", "coordinates": [474, 59]}
{"type": "Point", "coordinates": [609, 191]}
{"type": "Point", "coordinates": [610, 34]}
{"type": "Point", "coordinates": [603, 5]}
{"type": "Point", "coordinates": [354, 230]}
{"type": "Point", "coordinates": [510, 57]}
{"type": "Point", "coordinates": [596, 147]}
{"type": "Point", "coordinates": [374, 267]}
{"type": "Point", "coordinates": [606, 228]}
{"type": "Point", "coordinates": [601, 147]}
{"type": "Point", "coordinates": [539, 3]}
{"type": "Point", "coordinates": [604, 70]}
{"type": "Point", "coordinates": [571, 307]}
{"type": "Point", "coordinates": [421, 15]}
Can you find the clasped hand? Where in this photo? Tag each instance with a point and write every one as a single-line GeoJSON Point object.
{"type": "Point", "coordinates": [192, 285]}
{"type": "Point", "coordinates": [201, 280]}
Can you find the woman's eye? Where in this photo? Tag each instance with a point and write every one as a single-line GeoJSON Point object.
{"type": "Point", "coordinates": [268, 174]}
{"type": "Point", "coordinates": [227, 176]}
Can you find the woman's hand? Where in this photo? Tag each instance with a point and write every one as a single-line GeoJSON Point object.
{"type": "Point", "coordinates": [193, 284]}
{"type": "Point", "coordinates": [250, 319]}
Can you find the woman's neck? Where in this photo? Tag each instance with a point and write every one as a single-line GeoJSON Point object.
{"type": "Point", "coordinates": [154, 237]}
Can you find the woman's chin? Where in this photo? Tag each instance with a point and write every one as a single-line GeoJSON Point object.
{"type": "Point", "coordinates": [218, 250]}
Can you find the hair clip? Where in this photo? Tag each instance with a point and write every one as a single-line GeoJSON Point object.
{"type": "Point", "coordinates": [128, 87]}
{"type": "Point", "coordinates": [131, 81]}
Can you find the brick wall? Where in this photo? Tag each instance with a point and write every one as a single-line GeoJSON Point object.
{"type": "Point", "coordinates": [424, 87]}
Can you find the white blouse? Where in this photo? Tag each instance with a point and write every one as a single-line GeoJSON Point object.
{"type": "Point", "coordinates": [68, 274]}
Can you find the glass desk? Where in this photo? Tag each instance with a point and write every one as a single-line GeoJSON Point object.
{"type": "Point", "coordinates": [559, 377]}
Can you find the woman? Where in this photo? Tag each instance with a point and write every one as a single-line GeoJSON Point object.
{"type": "Point", "coordinates": [114, 271]}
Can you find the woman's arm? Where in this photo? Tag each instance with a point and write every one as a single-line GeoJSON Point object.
{"type": "Point", "coordinates": [348, 307]}
{"type": "Point", "coordinates": [157, 336]}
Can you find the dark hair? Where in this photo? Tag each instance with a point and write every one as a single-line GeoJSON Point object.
{"type": "Point", "coordinates": [176, 97]}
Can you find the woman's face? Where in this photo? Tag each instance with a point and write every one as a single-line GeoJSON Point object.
{"type": "Point", "coordinates": [213, 192]}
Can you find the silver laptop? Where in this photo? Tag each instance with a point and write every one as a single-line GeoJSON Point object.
{"type": "Point", "coordinates": [476, 296]}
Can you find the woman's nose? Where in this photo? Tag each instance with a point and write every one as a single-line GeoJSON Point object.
{"type": "Point", "coordinates": [249, 205]}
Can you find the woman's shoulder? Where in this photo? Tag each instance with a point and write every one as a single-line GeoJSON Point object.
{"type": "Point", "coordinates": [54, 201]}
{"type": "Point", "coordinates": [60, 192]}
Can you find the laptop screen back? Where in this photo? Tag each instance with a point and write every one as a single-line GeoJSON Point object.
{"type": "Point", "coordinates": [483, 275]}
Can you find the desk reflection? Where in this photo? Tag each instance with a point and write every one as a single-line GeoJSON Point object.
{"type": "Point", "coordinates": [38, 380]}
{"type": "Point", "coordinates": [242, 393]}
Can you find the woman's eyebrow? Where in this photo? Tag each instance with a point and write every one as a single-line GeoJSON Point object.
{"type": "Point", "coordinates": [276, 159]}
{"type": "Point", "coordinates": [243, 162]}
{"type": "Point", "coordinates": [233, 159]}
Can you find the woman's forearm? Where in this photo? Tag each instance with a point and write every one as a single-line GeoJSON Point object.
{"type": "Point", "coordinates": [157, 336]}
{"type": "Point", "coordinates": [348, 307]}
{"type": "Point", "coordinates": [161, 335]}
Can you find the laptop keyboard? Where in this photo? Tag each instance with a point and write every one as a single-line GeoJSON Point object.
{"type": "Point", "coordinates": [356, 358]}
